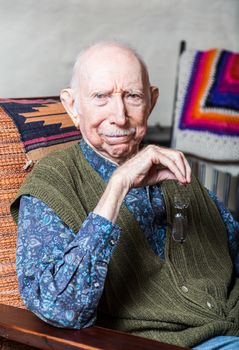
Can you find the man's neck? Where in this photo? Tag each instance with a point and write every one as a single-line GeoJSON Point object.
{"type": "Point", "coordinates": [99, 153]}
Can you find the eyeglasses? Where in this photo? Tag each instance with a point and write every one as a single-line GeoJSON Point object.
{"type": "Point", "coordinates": [180, 219]}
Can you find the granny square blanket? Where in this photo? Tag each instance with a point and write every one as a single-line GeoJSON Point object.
{"type": "Point", "coordinates": [207, 108]}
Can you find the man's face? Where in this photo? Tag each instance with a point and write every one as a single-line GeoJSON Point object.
{"type": "Point", "coordinates": [114, 103]}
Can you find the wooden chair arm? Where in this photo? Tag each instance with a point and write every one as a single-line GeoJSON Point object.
{"type": "Point", "coordinates": [24, 327]}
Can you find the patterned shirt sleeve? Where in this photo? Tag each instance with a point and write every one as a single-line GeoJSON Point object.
{"type": "Point", "coordinates": [232, 227]}
{"type": "Point", "coordinates": [61, 275]}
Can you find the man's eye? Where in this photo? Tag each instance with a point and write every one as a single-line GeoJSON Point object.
{"type": "Point", "coordinates": [100, 99]}
{"type": "Point", "coordinates": [100, 96]}
{"type": "Point", "coordinates": [134, 96]}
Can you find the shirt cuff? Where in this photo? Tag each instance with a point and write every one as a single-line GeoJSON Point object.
{"type": "Point", "coordinates": [99, 236]}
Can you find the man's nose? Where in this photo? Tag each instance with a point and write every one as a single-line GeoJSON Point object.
{"type": "Point", "coordinates": [119, 112]}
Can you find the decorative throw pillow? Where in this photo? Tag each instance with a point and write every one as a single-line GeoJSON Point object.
{"type": "Point", "coordinates": [29, 129]}
{"type": "Point", "coordinates": [207, 110]}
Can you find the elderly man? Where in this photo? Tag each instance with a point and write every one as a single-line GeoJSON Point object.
{"type": "Point", "coordinates": [95, 221]}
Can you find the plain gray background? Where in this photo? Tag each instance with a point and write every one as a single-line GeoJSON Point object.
{"type": "Point", "coordinates": [40, 39]}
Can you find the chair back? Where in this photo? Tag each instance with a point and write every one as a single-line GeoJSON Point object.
{"type": "Point", "coordinates": [29, 129]}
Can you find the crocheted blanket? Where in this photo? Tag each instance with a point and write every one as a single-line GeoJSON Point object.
{"type": "Point", "coordinates": [207, 109]}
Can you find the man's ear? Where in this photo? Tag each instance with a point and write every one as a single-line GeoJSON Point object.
{"type": "Point", "coordinates": [67, 99]}
{"type": "Point", "coordinates": [154, 94]}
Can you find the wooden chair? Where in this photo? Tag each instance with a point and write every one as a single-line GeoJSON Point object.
{"type": "Point", "coordinates": [19, 328]}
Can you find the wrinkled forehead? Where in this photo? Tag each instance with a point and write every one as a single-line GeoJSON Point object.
{"type": "Point", "coordinates": [104, 67]}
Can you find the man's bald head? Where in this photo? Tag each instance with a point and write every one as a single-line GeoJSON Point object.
{"type": "Point", "coordinates": [97, 53]}
{"type": "Point", "coordinates": [110, 99]}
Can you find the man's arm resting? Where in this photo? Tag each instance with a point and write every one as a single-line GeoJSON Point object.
{"type": "Point", "coordinates": [61, 275]}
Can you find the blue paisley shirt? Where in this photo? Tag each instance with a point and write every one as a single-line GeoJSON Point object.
{"type": "Point", "coordinates": [61, 275]}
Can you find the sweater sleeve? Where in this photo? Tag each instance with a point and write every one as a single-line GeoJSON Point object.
{"type": "Point", "coordinates": [61, 275]}
{"type": "Point", "coordinates": [232, 227]}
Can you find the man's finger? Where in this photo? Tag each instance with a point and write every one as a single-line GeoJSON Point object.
{"type": "Point", "coordinates": [188, 171]}
{"type": "Point", "coordinates": [167, 162]}
{"type": "Point", "coordinates": [181, 161]}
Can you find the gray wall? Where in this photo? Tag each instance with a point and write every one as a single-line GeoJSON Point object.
{"type": "Point", "coordinates": [40, 39]}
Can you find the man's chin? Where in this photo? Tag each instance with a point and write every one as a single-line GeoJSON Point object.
{"type": "Point", "coordinates": [119, 153]}
{"type": "Point", "coordinates": [116, 153]}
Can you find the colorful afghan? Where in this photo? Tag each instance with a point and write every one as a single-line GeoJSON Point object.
{"type": "Point", "coordinates": [207, 112]}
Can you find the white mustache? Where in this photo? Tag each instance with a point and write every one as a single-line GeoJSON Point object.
{"type": "Point", "coordinates": [118, 133]}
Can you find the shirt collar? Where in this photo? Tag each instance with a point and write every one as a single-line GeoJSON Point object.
{"type": "Point", "coordinates": [103, 166]}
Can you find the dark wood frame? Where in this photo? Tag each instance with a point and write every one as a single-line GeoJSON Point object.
{"type": "Point", "coordinates": [24, 327]}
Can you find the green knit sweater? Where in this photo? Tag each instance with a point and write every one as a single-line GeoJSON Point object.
{"type": "Point", "coordinates": [191, 296]}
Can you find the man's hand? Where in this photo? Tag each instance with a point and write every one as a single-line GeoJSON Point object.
{"type": "Point", "coordinates": [148, 167]}
{"type": "Point", "coordinates": [152, 165]}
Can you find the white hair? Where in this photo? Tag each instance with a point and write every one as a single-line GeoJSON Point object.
{"type": "Point", "coordinates": [75, 80]}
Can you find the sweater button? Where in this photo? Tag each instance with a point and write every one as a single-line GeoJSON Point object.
{"type": "Point", "coordinates": [112, 242]}
{"type": "Point", "coordinates": [184, 289]}
{"type": "Point", "coordinates": [96, 284]}
{"type": "Point", "coordinates": [209, 305]}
